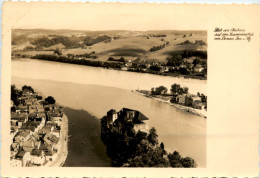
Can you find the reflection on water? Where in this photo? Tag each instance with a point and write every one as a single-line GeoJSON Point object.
{"type": "Point", "coordinates": [85, 146]}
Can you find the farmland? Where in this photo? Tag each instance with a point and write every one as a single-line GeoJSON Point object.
{"type": "Point", "coordinates": [146, 47]}
{"type": "Point", "coordinates": [129, 44]}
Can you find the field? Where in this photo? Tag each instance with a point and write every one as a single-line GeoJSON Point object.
{"type": "Point", "coordinates": [130, 45]}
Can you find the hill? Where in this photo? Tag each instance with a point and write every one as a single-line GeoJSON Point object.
{"type": "Point", "coordinates": [146, 45]}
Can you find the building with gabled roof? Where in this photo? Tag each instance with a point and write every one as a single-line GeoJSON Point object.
{"type": "Point", "coordinates": [37, 157]}
{"type": "Point", "coordinates": [28, 145]}
{"type": "Point", "coordinates": [21, 159]}
{"type": "Point", "coordinates": [126, 115]}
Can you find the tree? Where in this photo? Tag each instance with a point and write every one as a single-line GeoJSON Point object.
{"type": "Point", "coordinates": [57, 51]}
{"type": "Point", "coordinates": [175, 159]}
{"type": "Point", "coordinates": [15, 93]}
{"type": "Point", "coordinates": [175, 60]}
{"type": "Point", "coordinates": [39, 97]}
{"type": "Point", "coordinates": [163, 149]}
{"type": "Point", "coordinates": [122, 60]}
{"type": "Point", "coordinates": [203, 98]}
{"type": "Point", "coordinates": [198, 94]}
{"type": "Point", "coordinates": [155, 68]}
{"type": "Point", "coordinates": [185, 90]}
{"type": "Point", "coordinates": [26, 89]}
{"type": "Point", "coordinates": [183, 71]}
{"type": "Point", "coordinates": [153, 137]}
{"type": "Point", "coordinates": [152, 91]}
{"type": "Point", "coordinates": [50, 100]}
{"type": "Point", "coordinates": [175, 88]}
{"type": "Point", "coordinates": [160, 90]}
{"type": "Point", "coordinates": [188, 162]}
{"type": "Point", "coordinates": [162, 145]}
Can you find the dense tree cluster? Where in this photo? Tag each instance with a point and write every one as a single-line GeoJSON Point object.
{"type": "Point", "coordinates": [15, 93]}
{"type": "Point", "coordinates": [196, 42]}
{"type": "Point", "coordinates": [130, 149]}
{"type": "Point", "coordinates": [70, 60]}
{"type": "Point", "coordinates": [86, 55]}
{"type": "Point", "coordinates": [117, 60]}
{"type": "Point", "coordinates": [155, 68]}
{"type": "Point", "coordinates": [177, 89]}
{"type": "Point", "coordinates": [156, 48]}
{"type": "Point", "coordinates": [68, 42]}
{"type": "Point", "coordinates": [158, 35]}
{"type": "Point", "coordinates": [175, 60]}
{"type": "Point", "coordinates": [189, 53]}
{"type": "Point", "coordinates": [89, 41]}
{"type": "Point", "coordinates": [159, 90]}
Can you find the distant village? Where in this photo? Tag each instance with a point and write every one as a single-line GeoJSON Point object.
{"type": "Point", "coordinates": [178, 96]}
{"type": "Point", "coordinates": [189, 67]}
{"type": "Point", "coordinates": [36, 128]}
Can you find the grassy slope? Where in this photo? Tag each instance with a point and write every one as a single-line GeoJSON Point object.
{"type": "Point", "coordinates": [132, 46]}
{"type": "Point", "coordinates": [22, 46]}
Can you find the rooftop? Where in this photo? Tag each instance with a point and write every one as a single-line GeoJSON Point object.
{"type": "Point", "coordinates": [20, 154]}
{"type": "Point", "coordinates": [36, 152]}
{"type": "Point", "coordinates": [137, 118]}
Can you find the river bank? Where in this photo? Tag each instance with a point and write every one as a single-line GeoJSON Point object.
{"type": "Point", "coordinates": [197, 112]}
{"type": "Point", "coordinates": [63, 150]}
{"type": "Point", "coordinates": [34, 69]}
{"type": "Point", "coordinates": [86, 99]}
{"type": "Point", "coordinates": [113, 66]}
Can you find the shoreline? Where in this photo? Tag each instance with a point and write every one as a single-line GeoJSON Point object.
{"type": "Point", "coordinates": [62, 154]}
{"type": "Point", "coordinates": [177, 106]}
{"type": "Point", "coordinates": [175, 75]}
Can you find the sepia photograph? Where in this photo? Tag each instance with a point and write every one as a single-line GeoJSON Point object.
{"type": "Point", "coordinates": [113, 98]}
{"type": "Point", "coordinates": [129, 90]}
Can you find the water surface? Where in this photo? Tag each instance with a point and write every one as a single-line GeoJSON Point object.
{"type": "Point", "coordinates": [86, 103]}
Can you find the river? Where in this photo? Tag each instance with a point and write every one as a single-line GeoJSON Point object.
{"type": "Point", "coordinates": [87, 93]}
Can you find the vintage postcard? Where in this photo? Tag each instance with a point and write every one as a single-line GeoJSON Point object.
{"type": "Point", "coordinates": [129, 90]}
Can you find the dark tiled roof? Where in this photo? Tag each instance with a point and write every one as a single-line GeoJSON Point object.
{"type": "Point", "coordinates": [20, 154]}
{"type": "Point", "coordinates": [138, 116]}
{"type": "Point", "coordinates": [112, 111]}
{"type": "Point", "coordinates": [36, 152]}
{"type": "Point", "coordinates": [49, 153]}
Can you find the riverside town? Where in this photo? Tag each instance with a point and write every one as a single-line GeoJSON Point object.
{"type": "Point", "coordinates": [180, 98]}
{"type": "Point", "coordinates": [38, 130]}
{"type": "Point", "coordinates": [112, 98]}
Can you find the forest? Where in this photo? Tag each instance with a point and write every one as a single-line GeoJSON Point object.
{"type": "Point", "coordinates": [130, 149]}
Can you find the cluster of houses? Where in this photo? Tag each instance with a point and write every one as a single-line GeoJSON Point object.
{"type": "Point", "coordinates": [190, 100]}
{"type": "Point", "coordinates": [187, 65]}
{"type": "Point", "coordinates": [124, 116]}
{"type": "Point", "coordinates": [35, 131]}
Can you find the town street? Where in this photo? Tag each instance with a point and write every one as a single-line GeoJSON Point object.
{"type": "Point", "coordinates": [63, 150]}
